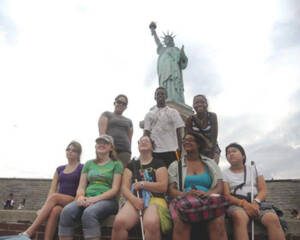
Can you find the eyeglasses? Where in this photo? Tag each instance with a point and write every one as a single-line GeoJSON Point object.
{"type": "Point", "coordinates": [121, 103]}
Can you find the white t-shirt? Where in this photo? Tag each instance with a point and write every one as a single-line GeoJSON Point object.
{"type": "Point", "coordinates": [235, 179]}
{"type": "Point", "coordinates": [162, 124]}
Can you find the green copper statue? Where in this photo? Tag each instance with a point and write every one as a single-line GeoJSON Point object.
{"type": "Point", "coordinates": [170, 63]}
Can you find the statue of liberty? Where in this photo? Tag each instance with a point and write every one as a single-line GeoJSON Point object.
{"type": "Point", "coordinates": [170, 63]}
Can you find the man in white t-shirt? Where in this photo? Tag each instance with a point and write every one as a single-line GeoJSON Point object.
{"type": "Point", "coordinates": [164, 125]}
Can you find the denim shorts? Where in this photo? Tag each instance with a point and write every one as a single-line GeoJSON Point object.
{"type": "Point", "coordinates": [233, 208]}
{"type": "Point", "coordinates": [90, 218]}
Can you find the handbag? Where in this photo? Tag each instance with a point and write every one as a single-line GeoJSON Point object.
{"type": "Point", "coordinates": [192, 208]}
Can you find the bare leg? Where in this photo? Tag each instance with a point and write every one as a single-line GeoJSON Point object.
{"type": "Point", "coordinates": [271, 222]}
{"type": "Point", "coordinates": [126, 218]}
{"type": "Point", "coordinates": [216, 229]}
{"type": "Point", "coordinates": [65, 238]}
{"type": "Point", "coordinates": [52, 222]}
{"type": "Point", "coordinates": [152, 223]}
{"type": "Point", "coordinates": [51, 202]}
{"type": "Point", "coordinates": [181, 230]}
{"type": "Point", "coordinates": [240, 223]}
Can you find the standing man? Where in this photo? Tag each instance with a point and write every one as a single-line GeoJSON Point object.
{"type": "Point", "coordinates": [164, 125]}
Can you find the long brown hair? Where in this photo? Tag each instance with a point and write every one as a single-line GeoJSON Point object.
{"type": "Point", "coordinates": [77, 146]}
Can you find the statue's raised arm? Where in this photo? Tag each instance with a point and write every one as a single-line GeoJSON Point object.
{"type": "Point", "coordinates": [170, 63]}
{"type": "Point", "coordinates": [152, 27]}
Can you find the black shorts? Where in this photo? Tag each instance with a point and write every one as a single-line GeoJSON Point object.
{"type": "Point", "coordinates": [166, 157]}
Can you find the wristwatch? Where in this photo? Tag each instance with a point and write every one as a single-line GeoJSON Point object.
{"type": "Point", "coordinates": [142, 185]}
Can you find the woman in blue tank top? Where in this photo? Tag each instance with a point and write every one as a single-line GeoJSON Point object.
{"type": "Point", "coordinates": [62, 191]}
{"type": "Point", "coordinates": [200, 176]}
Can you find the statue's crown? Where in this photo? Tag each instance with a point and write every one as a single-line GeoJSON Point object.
{"type": "Point", "coordinates": [168, 34]}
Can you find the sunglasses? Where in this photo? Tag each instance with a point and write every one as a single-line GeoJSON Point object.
{"type": "Point", "coordinates": [121, 103]}
{"type": "Point", "coordinates": [71, 150]}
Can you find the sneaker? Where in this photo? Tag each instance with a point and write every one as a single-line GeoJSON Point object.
{"type": "Point", "coordinates": [25, 235]}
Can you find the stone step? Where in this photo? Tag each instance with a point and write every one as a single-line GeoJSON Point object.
{"type": "Point", "coordinates": [15, 221]}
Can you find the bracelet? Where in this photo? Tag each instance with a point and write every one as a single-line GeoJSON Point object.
{"type": "Point", "coordinates": [257, 201]}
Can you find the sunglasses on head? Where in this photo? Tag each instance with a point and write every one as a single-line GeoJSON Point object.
{"type": "Point", "coordinates": [103, 141]}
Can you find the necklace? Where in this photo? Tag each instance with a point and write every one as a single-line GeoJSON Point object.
{"type": "Point", "coordinates": [146, 162]}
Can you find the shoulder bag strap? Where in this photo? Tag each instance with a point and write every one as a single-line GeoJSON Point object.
{"type": "Point", "coordinates": [242, 184]}
{"type": "Point", "coordinates": [180, 174]}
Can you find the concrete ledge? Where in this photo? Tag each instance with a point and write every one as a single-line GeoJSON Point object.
{"type": "Point", "coordinates": [17, 215]}
{"type": "Point", "coordinates": [15, 221]}
{"type": "Point", "coordinates": [28, 216]}
{"type": "Point", "coordinates": [293, 227]}
{"type": "Point", "coordinates": [14, 228]}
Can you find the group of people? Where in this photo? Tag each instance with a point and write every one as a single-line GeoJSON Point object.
{"type": "Point", "coordinates": [10, 202]}
{"type": "Point", "coordinates": [156, 182]}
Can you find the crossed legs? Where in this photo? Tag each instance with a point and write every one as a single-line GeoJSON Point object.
{"type": "Point", "coordinates": [50, 212]}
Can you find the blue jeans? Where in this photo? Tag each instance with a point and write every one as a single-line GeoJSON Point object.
{"type": "Point", "coordinates": [90, 218]}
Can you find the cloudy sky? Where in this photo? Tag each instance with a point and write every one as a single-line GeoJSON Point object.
{"type": "Point", "coordinates": [63, 62]}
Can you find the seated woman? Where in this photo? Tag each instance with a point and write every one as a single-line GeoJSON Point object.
{"type": "Point", "coordinates": [62, 191]}
{"type": "Point", "coordinates": [201, 176]}
{"type": "Point", "coordinates": [96, 195]}
{"type": "Point", "coordinates": [145, 174]}
{"type": "Point", "coordinates": [237, 189]}
{"type": "Point", "coordinates": [204, 125]}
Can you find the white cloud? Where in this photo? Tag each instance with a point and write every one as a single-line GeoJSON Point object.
{"type": "Point", "coordinates": [69, 59]}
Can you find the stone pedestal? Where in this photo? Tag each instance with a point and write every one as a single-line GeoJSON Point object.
{"type": "Point", "coordinates": [184, 110]}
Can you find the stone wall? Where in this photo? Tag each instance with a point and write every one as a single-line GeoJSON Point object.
{"type": "Point", "coordinates": [285, 193]}
{"type": "Point", "coordinates": [35, 191]}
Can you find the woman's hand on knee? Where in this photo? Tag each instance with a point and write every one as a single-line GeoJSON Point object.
{"type": "Point", "coordinates": [81, 201]}
{"type": "Point", "coordinates": [91, 200]}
